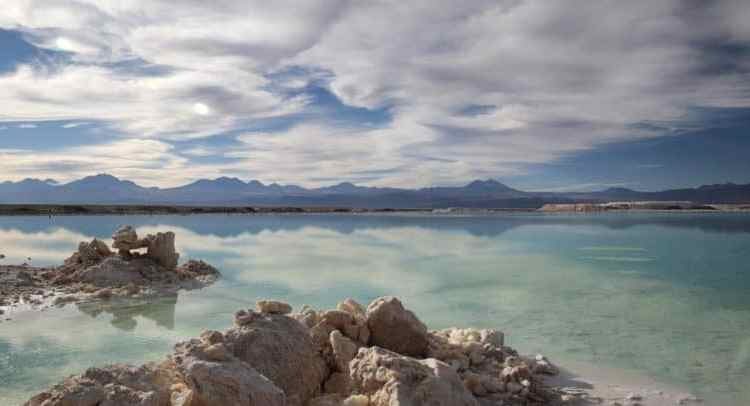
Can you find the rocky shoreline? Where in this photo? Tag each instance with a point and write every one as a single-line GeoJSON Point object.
{"type": "Point", "coordinates": [355, 356]}
{"type": "Point", "coordinates": [94, 272]}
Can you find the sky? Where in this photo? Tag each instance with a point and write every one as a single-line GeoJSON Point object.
{"type": "Point", "coordinates": [541, 95]}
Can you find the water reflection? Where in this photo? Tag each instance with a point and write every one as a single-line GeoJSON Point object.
{"type": "Point", "coordinates": [124, 313]}
{"type": "Point", "coordinates": [666, 294]}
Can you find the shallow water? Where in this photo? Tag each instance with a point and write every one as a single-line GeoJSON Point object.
{"type": "Point", "coordinates": [666, 294]}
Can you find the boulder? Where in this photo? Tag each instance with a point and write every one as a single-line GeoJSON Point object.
{"type": "Point", "coordinates": [394, 328]}
{"type": "Point", "coordinates": [280, 348]}
{"type": "Point", "coordinates": [390, 379]}
{"type": "Point", "coordinates": [116, 385]}
{"type": "Point", "coordinates": [344, 350]}
{"type": "Point", "coordinates": [224, 380]}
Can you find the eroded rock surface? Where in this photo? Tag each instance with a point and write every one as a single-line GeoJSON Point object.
{"type": "Point", "coordinates": [281, 349]}
{"type": "Point", "coordinates": [388, 378]}
{"type": "Point", "coordinates": [395, 328]}
{"type": "Point", "coordinates": [322, 358]}
{"type": "Point", "coordinates": [94, 272]}
{"type": "Point", "coordinates": [213, 376]}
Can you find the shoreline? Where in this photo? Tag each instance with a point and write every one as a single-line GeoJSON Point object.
{"type": "Point", "coordinates": [586, 383]}
{"type": "Point", "coordinates": [184, 210]}
{"type": "Point", "coordinates": [329, 358]}
{"type": "Point", "coordinates": [608, 385]}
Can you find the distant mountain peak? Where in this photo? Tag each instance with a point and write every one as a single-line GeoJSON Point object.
{"type": "Point", "coordinates": [489, 184]}
{"type": "Point", "coordinates": [226, 180]}
{"type": "Point", "coordinates": [101, 176]}
{"type": "Point", "coordinates": [618, 190]}
{"type": "Point", "coordinates": [105, 188]}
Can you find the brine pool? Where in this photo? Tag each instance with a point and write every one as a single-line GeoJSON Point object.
{"type": "Point", "coordinates": [667, 295]}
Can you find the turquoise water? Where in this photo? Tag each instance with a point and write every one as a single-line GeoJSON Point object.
{"type": "Point", "coordinates": [665, 294]}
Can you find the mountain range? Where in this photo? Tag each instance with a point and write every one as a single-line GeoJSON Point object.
{"type": "Point", "coordinates": [107, 189]}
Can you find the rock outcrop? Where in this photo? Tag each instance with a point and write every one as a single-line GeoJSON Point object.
{"type": "Point", "coordinates": [160, 247]}
{"type": "Point", "coordinates": [116, 385]}
{"type": "Point", "coordinates": [322, 358]}
{"type": "Point", "coordinates": [94, 272]}
{"type": "Point", "coordinates": [388, 378]}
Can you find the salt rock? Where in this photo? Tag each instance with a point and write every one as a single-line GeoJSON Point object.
{"type": "Point", "coordinates": [273, 307]}
{"type": "Point", "coordinates": [395, 328]}
{"type": "Point", "coordinates": [351, 306]}
{"type": "Point", "coordinates": [124, 235]}
{"type": "Point", "coordinates": [116, 385]}
{"type": "Point", "coordinates": [356, 400]}
{"type": "Point", "coordinates": [280, 348]}
{"type": "Point", "coordinates": [91, 252]}
{"type": "Point", "coordinates": [338, 319]}
{"type": "Point", "coordinates": [337, 383]}
{"type": "Point", "coordinates": [327, 400]}
{"type": "Point", "coordinates": [344, 350]}
{"type": "Point", "coordinates": [389, 379]}
{"type": "Point", "coordinates": [161, 249]}
{"type": "Point", "coordinates": [115, 271]}
{"type": "Point", "coordinates": [226, 381]}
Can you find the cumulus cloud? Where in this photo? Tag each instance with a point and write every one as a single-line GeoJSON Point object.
{"type": "Point", "coordinates": [552, 78]}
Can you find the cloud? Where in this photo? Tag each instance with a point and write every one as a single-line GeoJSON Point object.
{"type": "Point", "coordinates": [26, 126]}
{"type": "Point", "coordinates": [75, 124]}
{"type": "Point", "coordinates": [484, 89]}
{"type": "Point", "coordinates": [139, 159]}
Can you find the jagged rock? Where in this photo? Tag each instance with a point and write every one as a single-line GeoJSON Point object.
{"type": "Point", "coordinates": [395, 328]}
{"type": "Point", "coordinates": [392, 379]}
{"type": "Point", "coordinates": [126, 239]}
{"type": "Point", "coordinates": [273, 307]}
{"type": "Point", "coordinates": [161, 249]}
{"type": "Point", "coordinates": [222, 381]}
{"type": "Point", "coordinates": [344, 350]}
{"type": "Point", "coordinates": [116, 385]}
{"type": "Point", "coordinates": [89, 253]}
{"type": "Point", "coordinates": [274, 359]}
{"type": "Point", "coordinates": [195, 268]}
{"type": "Point", "coordinates": [351, 306]}
{"type": "Point", "coordinates": [116, 271]}
{"type": "Point", "coordinates": [280, 348]}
